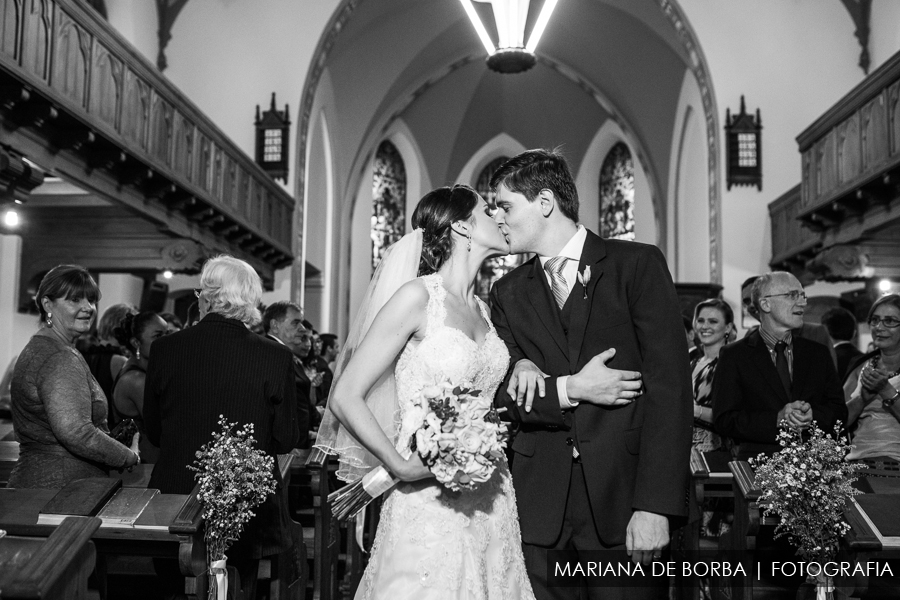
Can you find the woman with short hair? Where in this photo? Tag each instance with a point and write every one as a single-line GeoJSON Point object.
{"type": "Point", "coordinates": [59, 410]}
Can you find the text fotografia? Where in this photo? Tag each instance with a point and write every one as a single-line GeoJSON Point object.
{"type": "Point", "coordinates": [829, 569]}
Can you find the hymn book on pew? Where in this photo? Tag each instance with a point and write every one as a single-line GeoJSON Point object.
{"type": "Point", "coordinates": [161, 512]}
{"type": "Point", "coordinates": [80, 498]}
{"type": "Point", "coordinates": [126, 506]}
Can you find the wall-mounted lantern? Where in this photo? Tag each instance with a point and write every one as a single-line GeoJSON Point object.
{"type": "Point", "coordinates": [272, 130]}
{"type": "Point", "coordinates": [743, 148]}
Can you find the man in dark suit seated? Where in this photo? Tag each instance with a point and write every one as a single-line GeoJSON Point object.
{"type": "Point", "coordinates": [841, 325]}
{"type": "Point", "coordinates": [283, 323]}
{"type": "Point", "coordinates": [773, 375]}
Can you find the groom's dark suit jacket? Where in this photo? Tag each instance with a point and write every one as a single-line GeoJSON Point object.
{"type": "Point", "coordinates": [748, 394]}
{"type": "Point", "coordinates": [635, 457]}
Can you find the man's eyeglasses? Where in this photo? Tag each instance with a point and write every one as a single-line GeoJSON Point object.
{"type": "Point", "coordinates": [794, 295]}
{"type": "Point", "coordinates": [197, 292]}
{"type": "Point", "coordinates": [889, 322]}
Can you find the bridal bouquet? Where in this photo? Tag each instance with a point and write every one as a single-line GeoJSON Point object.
{"type": "Point", "coordinates": [458, 435]}
{"type": "Point", "coordinates": [234, 479]}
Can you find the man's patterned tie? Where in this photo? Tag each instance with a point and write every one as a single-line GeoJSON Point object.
{"type": "Point", "coordinates": [555, 267]}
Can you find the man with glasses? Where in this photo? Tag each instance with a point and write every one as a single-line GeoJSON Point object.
{"type": "Point", "coordinates": [810, 331]}
{"type": "Point", "coordinates": [773, 375]}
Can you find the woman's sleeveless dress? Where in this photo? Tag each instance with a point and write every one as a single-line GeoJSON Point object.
{"type": "Point", "coordinates": [433, 543]}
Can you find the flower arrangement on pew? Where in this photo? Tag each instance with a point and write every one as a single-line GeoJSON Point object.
{"type": "Point", "coordinates": [458, 435]}
{"type": "Point", "coordinates": [235, 478]}
{"type": "Point", "coordinates": [807, 484]}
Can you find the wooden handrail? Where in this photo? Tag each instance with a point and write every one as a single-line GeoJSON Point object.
{"type": "Point", "coordinates": [52, 560]}
{"type": "Point", "coordinates": [744, 478]}
{"type": "Point", "coordinates": [190, 517]}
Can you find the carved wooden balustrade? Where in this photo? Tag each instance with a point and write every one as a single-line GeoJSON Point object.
{"type": "Point", "coordinates": [79, 99]}
{"type": "Point", "coordinates": [850, 187]}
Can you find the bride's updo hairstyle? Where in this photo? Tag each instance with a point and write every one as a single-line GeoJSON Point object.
{"type": "Point", "coordinates": [436, 211]}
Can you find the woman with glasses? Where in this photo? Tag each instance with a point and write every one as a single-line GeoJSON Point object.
{"type": "Point", "coordinates": [875, 387]}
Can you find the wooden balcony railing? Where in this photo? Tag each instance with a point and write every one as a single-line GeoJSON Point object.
{"type": "Point", "coordinates": [69, 81]}
{"type": "Point", "coordinates": [792, 243]}
{"type": "Point", "coordinates": [851, 154]}
{"type": "Point", "coordinates": [841, 222]}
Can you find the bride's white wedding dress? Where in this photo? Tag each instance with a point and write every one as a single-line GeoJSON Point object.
{"type": "Point", "coordinates": [433, 543]}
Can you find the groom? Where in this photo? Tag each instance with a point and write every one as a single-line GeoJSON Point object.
{"type": "Point", "coordinates": [601, 459]}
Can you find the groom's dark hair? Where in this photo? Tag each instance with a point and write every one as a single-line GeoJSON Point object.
{"type": "Point", "coordinates": [534, 170]}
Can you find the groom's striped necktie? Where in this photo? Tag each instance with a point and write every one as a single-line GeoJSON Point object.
{"type": "Point", "coordinates": [554, 268]}
{"type": "Point", "coordinates": [560, 288]}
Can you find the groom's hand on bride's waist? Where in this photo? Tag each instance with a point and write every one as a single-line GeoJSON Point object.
{"type": "Point", "coordinates": [598, 384]}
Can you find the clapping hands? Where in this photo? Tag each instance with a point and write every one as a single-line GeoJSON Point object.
{"type": "Point", "coordinates": [875, 383]}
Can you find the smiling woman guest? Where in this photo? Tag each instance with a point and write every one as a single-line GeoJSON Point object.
{"type": "Point", "coordinates": [58, 409]}
{"type": "Point", "coordinates": [874, 387]}
{"type": "Point", "coordinates": [714, 327]}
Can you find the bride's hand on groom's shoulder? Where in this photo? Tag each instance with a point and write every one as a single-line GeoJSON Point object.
{"type": "Point", "coordinates": [526, 379]}
{"type": "Point", "coordinates": [598, 384]}
{"type": "Point", "coordinates": [411, 469]}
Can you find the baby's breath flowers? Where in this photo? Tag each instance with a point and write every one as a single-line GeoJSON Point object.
{"type": "Point", "coordinates": [234, 479]}
{"type": "Point", "coordinates": [807, 484]}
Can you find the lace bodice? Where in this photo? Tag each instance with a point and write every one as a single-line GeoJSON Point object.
{"type": "Point", "coordinates": [446, 353]}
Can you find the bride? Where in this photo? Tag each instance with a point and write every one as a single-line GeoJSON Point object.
{"type": "Point", "coordinates": [412, 332]}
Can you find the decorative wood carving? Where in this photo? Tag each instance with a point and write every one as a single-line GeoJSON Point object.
{"type": "Point", "coordinates": [162, 129]}
{"type": "Point", "coordinates": [848, 149]}
{"type": "Point", "coordinates": [72, 56]}
{"type": "Point", "coordinates": [36, 38]}
{"type": "Point", "coordinates": [10, 22]}
{"type": "Point", "coordinates": [874, 132]}
{"type": "Point", "coordinates": [893, 109]}
{"type": "Point", "coordinates": [106, 85]}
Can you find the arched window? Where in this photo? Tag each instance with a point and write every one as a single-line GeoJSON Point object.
{"type": "Point", "coordinates": [389, 200]}
{"type": "Point", "coordinates": [617, 194]}
{"type": "Point", "coordinates": [493, 268]}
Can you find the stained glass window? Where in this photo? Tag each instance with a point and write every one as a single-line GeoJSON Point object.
{"type": "Point", "coordinates": [617, 194]}
{"type": "Point", "coordinates": [493, 268]}
{"type": "Point", "coordinates": [389, 200]}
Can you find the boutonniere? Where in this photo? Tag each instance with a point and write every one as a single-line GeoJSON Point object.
{"type": "Point", "coordinates": [584, 278]}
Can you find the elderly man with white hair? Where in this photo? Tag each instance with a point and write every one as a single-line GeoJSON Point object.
{"type": "Point", "coordinates": [220, 367]}
{"type": "Point", "coordinates": [772, 376]}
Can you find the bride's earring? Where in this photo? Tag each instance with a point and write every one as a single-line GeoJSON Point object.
{"type": "Point", "coordinates": [137, 354]}
{"type": "Point", "coordinates": [49, 319]}
{"type": "Point", "coordinates": [469, 237]}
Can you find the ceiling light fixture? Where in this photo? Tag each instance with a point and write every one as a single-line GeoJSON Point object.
{"type": "Point", "coordinates": [510, 54]}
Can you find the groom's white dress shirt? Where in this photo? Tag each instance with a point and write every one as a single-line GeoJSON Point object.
{"type": "Point", "coordinates": [572, 250]}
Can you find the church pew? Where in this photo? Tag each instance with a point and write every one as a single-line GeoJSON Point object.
{"type": "Point", "coordinates": [180, 538]}
{"type": "Point", "coordinates": [51, 568]}
{"type": "Point", "coordinates": [310, 482]}
{"type": "Point", "coordinates": [9, 454]}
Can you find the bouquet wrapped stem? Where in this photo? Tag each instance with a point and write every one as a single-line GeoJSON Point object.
{"type": "Point", "coordinates": [458, 435]}
{"type": "Point", "coordinates": [348, 501]}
